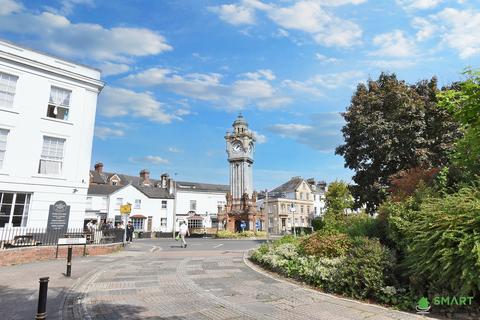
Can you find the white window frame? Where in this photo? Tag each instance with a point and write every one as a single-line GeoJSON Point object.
{"type": "Point", "coordinates": [193, 205]}
{"type": "Point", "coordinates": [88, 204]}
{"type": "Point", "coordinates": [118, 203]}
{"type": "Point", "coordinates": [104, 203]}
{"type": "Point", "coordinates": [56, 103]}
{"type": "Point", "coordinates": [46, 156]}
{"type": "Point", "coordinates": [195, 224]}
{"type": "Point", "coordinates": [138, 204]}
{"type": "Point", "coordinates": [8, 86]}
{"type": "Point", "coordinates": [3, 145]}
{"type": "Point", "coordinates": [138, 224]}
{"type": "Point", "coordinates": [11, 207]}
{"type": "Point", "coordinates": [163, 222]}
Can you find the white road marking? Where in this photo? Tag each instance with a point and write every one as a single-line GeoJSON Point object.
{"type": "Point", "coordinates": [218, 245]}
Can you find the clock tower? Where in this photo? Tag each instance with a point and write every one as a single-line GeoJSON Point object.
{"type": "Point", "coordinates": [240, 148]}
{"type": "Point", "coordinates": [240, 211]}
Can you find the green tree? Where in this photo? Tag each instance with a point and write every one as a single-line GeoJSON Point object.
{"type": "Point", "coordinates": [338, 197]}
{"type": "Point", "coordinates": [463, 102]}
{"type": "Point", "coordinates": [393, 126]}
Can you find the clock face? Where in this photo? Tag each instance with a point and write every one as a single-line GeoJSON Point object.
{"type": "Point", "coordinates": [237, 147]}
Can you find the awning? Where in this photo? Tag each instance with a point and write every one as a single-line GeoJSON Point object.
{"type": "Point", "coordinates": [138, 216]}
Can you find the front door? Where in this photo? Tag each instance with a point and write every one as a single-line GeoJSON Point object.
{"type": "Point", "coordinates": [149, 224]}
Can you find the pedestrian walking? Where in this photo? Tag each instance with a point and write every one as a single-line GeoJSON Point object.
{"type": "Point", "coordinates": [183, 232]}
{"type": "Point", "coordinates": [129, 231]}
{"type": "Point", "coordinates": [90, 225]}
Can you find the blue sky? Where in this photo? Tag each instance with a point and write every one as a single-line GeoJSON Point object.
{"type": "Point", "coordinates": [178, 72]}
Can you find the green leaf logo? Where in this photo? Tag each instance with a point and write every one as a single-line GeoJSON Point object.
{"type": "Point", "coordinates": [423, 305]}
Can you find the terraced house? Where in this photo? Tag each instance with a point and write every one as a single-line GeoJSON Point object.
{"type": "Point", "coordinates": [293, 203]}
{"type": "Point", "coordinates": [157, 204]}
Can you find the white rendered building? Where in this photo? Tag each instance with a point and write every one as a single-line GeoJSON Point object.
{"type": "Point", "coordinates": [319, 188]}
{"type": "Point", "coordinates": [199, 203]}
{"type": "Point", "coordinates": [47, 116]}
{"type": "Point", "coordinates": [151, 200]}
{"type": "Point", "coordinates": [157, 205]}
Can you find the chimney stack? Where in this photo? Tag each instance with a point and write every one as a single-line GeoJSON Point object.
{"type": "Point", "coordinates": [145, 177]}
{"type": "Point", "coordinates": [164, 180]}
{"type": "Point", "coordinates": [99, 167]}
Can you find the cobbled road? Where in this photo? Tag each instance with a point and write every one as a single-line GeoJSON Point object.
{"type": "Point", "coordinates": [208, 280]}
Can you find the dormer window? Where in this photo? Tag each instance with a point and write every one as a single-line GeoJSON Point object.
{"type": "Point", "coordinates": [59, 103]}
{"type": "Point", "coordinates": [114, 183]}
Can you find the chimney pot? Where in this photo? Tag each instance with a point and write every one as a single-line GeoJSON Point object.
{"type": "Point", "coordinates": [99, 167]}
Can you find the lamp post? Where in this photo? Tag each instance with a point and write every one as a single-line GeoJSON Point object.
{"type": "Point", "coordinates": [292, 210]}
{"type": "Point", "coordinates": [267, 217]}
{"type": "Point", "coordinates": [174, 220]}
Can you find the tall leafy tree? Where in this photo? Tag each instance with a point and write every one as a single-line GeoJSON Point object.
{"type": "Point", "coordinates": [393, 126]}
{"type": "Point", "coordinates": [338, 197]}
{"type": "Point", "coordinates": [463, 102]}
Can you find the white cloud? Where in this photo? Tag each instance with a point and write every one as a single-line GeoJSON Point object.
{"type": "Point", "coordinates": [394, 44]}
{"type": "Point", "coordinates": [323, 134]}
{"type": "Point", "coordinates": [457, 29]}
{"type": "Point", "coordinates": [175, 150]}
{"type": "Point", "coordinates": [418, 4]}
{"type": "Point", "coordinates": [281, 33]}
{"type": "Point", "coordinates": [67, 6]}
{"type": "Point", "coordinates": [393, 64]}
{"type": "Point", "coordinates": [118, 102]}
{"type": "Point", "coordinates": [155, 160]}
{"type": "Point", "coordinates": [84, 40]}
{"type": "Point", "coordinates": [309, 16]}
{"type": "Point", "coordinates": [326, 59]}
{"type": "Point", "coordinates": [291, 129]}
{"type": "Point", "coordinates": [261, 138]}
{"type": "Point", "coordinates": [254, 88]}
{"type": "Point", "coordinates": [425, 28]}
{"type": "Point", "coordinates": [110, 69]}
{"type": "Point", "coordinates": [9, 6]}
{"type": "Point", "coordinates": [318, 84]}
{"type": "Point", "coordinates": [103, 133]}
{"type": "Point", "coordinates": [460, 30]}
{"type": "Point", "coordinates": [263, 73]}
{"type": "Point", "coordinates": [339, 2]}
{"type": "Point", "coordinates": [235, 14]}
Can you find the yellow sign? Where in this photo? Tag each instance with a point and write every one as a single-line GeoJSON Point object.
{"type": "Point", "coordinates": [126, 209]}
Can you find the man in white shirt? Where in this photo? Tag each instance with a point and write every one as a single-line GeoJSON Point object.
{"type": "Point", "coordinates": [183, 232]}
{"type": "Point", "coordinates": [90, 225]}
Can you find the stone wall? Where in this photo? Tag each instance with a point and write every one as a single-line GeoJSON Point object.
{"type": "Point", "coordinates": [31, 254]}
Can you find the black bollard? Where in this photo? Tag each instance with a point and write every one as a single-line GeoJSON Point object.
{"type": "Point", "coordinates": [69, 261]}
{"type": "Point", "coordinates": [42, 299]}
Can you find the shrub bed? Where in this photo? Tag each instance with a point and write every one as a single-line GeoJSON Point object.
{"type": "Point", "coordinates": [225, 234]}
{"type": "Point", "coordinates": [357, 267]}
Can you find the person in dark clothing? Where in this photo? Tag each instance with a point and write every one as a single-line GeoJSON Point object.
{"type": "Point", "coordinates": [129, 232]}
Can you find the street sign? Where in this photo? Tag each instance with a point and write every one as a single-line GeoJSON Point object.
{"type": "Point", "coordinates": [257, 224]}
{"type": "Point", "coordinates": [126, 209]}
{"type": "Point", "coordinates": [243, 225]}
{"type": "Point", "coordinates": [72, 241]}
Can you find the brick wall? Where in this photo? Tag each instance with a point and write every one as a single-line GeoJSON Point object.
{"type": "Point", "coordinates": [31, 254]}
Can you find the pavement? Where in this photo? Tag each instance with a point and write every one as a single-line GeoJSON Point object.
{"type": "Point", "coordinates": [157, 279]}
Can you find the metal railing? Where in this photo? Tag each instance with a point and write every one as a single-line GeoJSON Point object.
{"type": "Point", "coordinates": [25, 237]}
